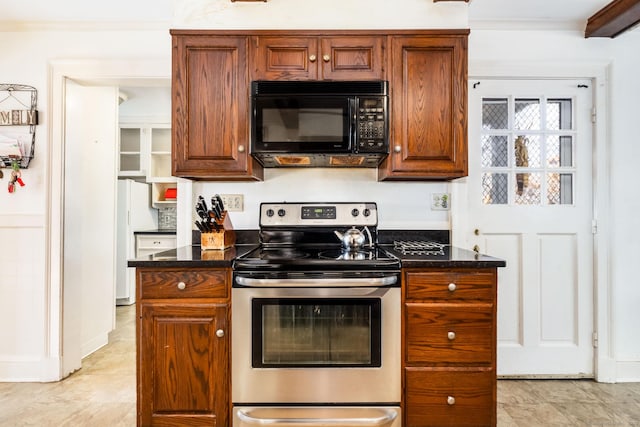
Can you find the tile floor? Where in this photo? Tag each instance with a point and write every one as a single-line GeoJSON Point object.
{"type": "Point", "coordinates": [102, 394]}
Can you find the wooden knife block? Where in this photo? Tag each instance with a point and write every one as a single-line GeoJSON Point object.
{"type": "Point", "coordinates": [222, 239]}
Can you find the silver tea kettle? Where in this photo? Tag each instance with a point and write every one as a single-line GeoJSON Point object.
{"type": "Point", "coordinates": [353, 239]}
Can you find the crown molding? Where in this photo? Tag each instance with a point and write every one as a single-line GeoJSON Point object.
{"type": "Point", "coordinates": [17, 26]}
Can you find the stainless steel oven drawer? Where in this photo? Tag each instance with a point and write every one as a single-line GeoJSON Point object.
{"type": "Point", "coordinates": [317, 416]}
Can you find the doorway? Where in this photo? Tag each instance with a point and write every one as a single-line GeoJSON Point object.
{"type": "Point", "coordinates": [65, 314]}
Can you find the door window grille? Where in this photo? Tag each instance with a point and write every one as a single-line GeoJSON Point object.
{"type": "Point", "coordinates": [528, 149]}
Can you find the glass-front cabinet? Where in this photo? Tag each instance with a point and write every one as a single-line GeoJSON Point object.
{"type": "Point", "coordinates": [145, 155]}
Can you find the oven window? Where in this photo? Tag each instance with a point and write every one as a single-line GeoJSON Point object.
{"type": "Point", "coordinates": [327, 332]}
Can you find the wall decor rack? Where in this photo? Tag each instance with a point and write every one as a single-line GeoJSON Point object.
{"type": "Point", "coordinates": [18, 108]}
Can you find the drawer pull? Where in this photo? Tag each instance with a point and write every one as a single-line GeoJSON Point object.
{"type": "Point", "coordinates": [451, 335]}
{"type": "Point", "coordinates": [452, 287]}
{"type": "Point", "coordinates": [451, 400]}
{"type": "Point", "coordinates": [220, 333]}
{"type": "Point", "coordinates": [182, 285]}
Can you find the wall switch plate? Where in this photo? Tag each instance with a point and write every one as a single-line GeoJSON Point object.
{"type": "Point", "coordinates": [233, 202]}
{"type": "Point", "coordinates": [440, 201]}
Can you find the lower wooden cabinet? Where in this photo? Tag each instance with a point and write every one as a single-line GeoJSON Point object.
{"type": "Point", "coordinates": [449, 324]}
{"type": "Point", "coordinates": [183, 348]}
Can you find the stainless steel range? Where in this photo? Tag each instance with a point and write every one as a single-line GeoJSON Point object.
{"type": "Point", "coordinates": [316, 321]}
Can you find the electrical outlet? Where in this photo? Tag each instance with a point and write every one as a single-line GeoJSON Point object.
{"type": "Point", "coordinates": [233, 202]}
{"type": "Point", "coordinates": [440, 201]}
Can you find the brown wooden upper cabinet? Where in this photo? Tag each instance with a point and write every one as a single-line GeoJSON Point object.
{"type": "Point", "coordinates": [428, 137]}
{"type": "Point", "coordinates": [213, 70]}
{"type": "Point", "coordinates": [317, 58]}
{"type": "Point", "coordinates": [210, 107]}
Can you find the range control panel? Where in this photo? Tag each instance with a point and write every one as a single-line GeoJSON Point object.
{"type": "Point", "coordinates": [318, 214]}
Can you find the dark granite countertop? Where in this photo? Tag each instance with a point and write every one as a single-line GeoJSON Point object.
{"type": "Point", "coordinates": [192, 256]}
{"type": "Point", "coordinates": [451, 257]}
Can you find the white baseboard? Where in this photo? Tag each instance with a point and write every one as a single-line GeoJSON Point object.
{"type": "Point", "coordinates": [30, 370]}
{"type": "Point", "coordinates": [628, 372]}
{"type": "Point", "coordinates": [94, 344]}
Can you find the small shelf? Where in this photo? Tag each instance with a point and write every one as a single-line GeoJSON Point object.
{"type": "Point", "coordinates": [158, 190]}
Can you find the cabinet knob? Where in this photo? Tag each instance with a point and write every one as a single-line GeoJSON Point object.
{"type": "Point", "coordinates": [326, 58]}
{"type": "Point", "coordinates": [451, 335]}
{"type": "Point", "coordinates": [397, 148]}
{"type": "Point", "coordinates": [452, 287]}
{"type": "Point", "coordinates": [182, 285]}
{"type": "Point", "coordinates": [241, 148]}
{"type": "Point", "coordinates": [313, 58]}
{"type": "Point", "coordinates": [220, 333]}
{"type": "Point", "coordinates": [451, 400]}
{"type": "Point", "coordinates": [476, 248]}
{"type": "Point", "coordinates": [476, 232]}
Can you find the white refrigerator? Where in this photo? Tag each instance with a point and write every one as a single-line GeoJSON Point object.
{"type": "Point", "coordinates": [134, 214]}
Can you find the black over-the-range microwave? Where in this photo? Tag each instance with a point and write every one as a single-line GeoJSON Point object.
{"type": "Point", "coordinates": [319, 123]}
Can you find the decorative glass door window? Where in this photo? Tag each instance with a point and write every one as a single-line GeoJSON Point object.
{"type": "Point", "coordinates": [528, 149]}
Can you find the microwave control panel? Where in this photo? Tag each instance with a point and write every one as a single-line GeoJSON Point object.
{"type": "Point", "coordinates": [372, 127]}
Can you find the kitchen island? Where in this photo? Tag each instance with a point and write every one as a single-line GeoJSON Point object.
{"type": "Point", "coordinates": [448, 335]}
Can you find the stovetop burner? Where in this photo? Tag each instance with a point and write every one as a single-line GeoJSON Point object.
{"type": "Point", "coordinates": [348, 255]}
{"type": "Point", "coordinates": [278, 254]}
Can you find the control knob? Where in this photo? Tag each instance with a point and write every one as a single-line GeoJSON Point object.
{"type": "Point", "coordinates": [366, 212]}
{"type": "Point", "coordinates": [270, 213]}
{"type": "Point", "coordinates": [281, 212]}
{"type": "Point", "coordinates": [355, 212]}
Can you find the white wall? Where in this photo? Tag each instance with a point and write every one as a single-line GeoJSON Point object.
{"type": "Point", "coordinates": [400, 205]}
{"type": "Point", "coordinates": [29, 317]}
{"type": "Point", "coordinates": [562, 54]}
{"type": "Point", "coordinates": [30, 303]}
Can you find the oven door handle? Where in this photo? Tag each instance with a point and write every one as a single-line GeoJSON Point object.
{"type": "Point", "coordinates": [382, 421]}
{"type": "Point", "coordinates": [317, 283]}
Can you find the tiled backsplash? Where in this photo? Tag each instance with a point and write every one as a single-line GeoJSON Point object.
{"type": "Point", "coordinates": [167, 218]}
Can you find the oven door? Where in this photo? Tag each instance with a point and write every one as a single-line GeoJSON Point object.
{"type": "Point", "coordinates": [316, 345]}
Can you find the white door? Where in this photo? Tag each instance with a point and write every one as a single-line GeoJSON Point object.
{"type": "Point", "coordinates": [89, 220]}
{"type": "Point", "coordinates": [529, 201]}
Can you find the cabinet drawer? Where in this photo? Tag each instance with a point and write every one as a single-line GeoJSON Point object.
{"type": "Point", "coordinates": [450, 397]}
{"type": "Point", "coordinates": [182, 284]}
{"type": "Point", "coordinates": [449, 333]}
{"type": "Point", "coordinates": [155, 241]}
{"type": "Point", "coordinates": [446, 286]}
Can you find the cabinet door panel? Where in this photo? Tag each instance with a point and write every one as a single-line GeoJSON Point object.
{"type": "Point", "coordinates": [210, 108]}
{"type": "Point", "coordinates": [182, 364]}
{"type": "Point", "coordinates": [429, 328]}
{"type": "Point", "coordinates": [352, 58]}
{"type": "Point", "coordinates": [429, 393]}
{"type": "Point", "coordinates": [429, 105]}
{"type": "Point", "coordinates": [286, 58]}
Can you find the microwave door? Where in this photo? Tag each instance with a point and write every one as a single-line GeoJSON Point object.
{"type": "Point", "coordinates": [302, 124]}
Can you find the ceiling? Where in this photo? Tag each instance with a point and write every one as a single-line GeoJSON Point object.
{"type": "Point", "coordinates": [569, 14]}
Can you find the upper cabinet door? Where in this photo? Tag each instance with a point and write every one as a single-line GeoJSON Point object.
{"type": "Point", "coordinates": [285, 58]}
{"type": "Point", "coordinates": [210, 108]}
{"type": "Point", "coordinates": [428, 108]}
{"type": "Point", "coordinates": [317, 58]}
{"type": "Point", "coordinates": [352, 58]}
